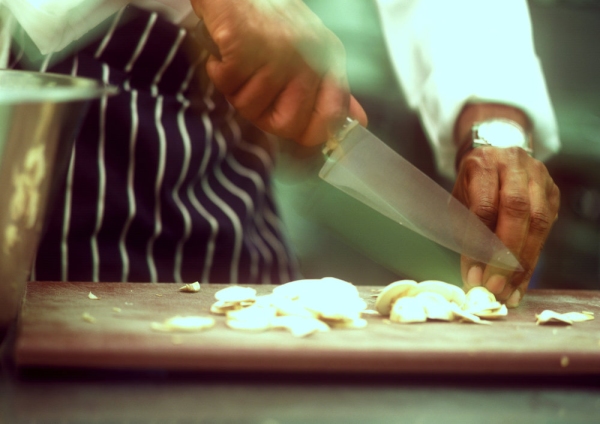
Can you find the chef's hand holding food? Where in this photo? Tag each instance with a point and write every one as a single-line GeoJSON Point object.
{"type": "Point", "coordinates": [508, 189]}
{"type": "Point", "coordinates": [280, 67]}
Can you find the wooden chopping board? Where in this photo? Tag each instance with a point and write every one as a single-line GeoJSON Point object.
{"type": "Point", "coordinates": [52, 333]}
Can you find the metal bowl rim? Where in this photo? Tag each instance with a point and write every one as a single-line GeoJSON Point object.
{"type": "Point", "coordinates": [86, 89]}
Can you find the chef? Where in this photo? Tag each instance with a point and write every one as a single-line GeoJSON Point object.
{"type": "Point", "coordinates": [170, 179]}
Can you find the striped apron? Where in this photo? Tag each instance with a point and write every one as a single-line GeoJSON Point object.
{"type": "Point", "coordinates": [165, 182]}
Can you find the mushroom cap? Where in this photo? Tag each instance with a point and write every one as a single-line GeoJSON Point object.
{"type": "Point", "coordinates": [451, 292]}
{"type": "Point", "coordinates": [325, 287]}
{"type": "Point", "coordinates": [390, 293]}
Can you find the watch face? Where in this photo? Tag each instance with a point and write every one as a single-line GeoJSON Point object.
{"type": "Point", "coordinates": [500, 134]}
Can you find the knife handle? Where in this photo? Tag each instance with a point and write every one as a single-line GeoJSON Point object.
{"type": "Point", "coordinates": [204, 38]}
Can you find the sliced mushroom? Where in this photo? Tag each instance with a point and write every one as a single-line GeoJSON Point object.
{"type": "Point", "coordinates": [437, 307]}
{"type": "Point", "coordinates": [233, 298]}
{"type": "Point", "coordinates": [327, 298]}
{"type": "Point", "coordinates": [335, 309]}
{"type": "Point", "coordinates": [481, 302]}
{"type": "Point", "coordinates": [451, 292]}
{"type": "Point", "coordinates": [221, 307]}
{"type": "Point", "coordinates": [467, 316]}
{"type": "Point", "coordinates": [299, 326]}
{"type": "Point", "coordinates": [479, 294]}
{"type": "Point", "coordinates": [409, 301]}
{"type": "Point", "coordinates": [236, 294]}
{"type": "Point", "coordinates": [579, 316]}
{"type": "Point", "coordinates": [390, 293]}
{"type": "Point", "coordinates": [253, 318]}
{"type": "Point", "coordinates": [324, 287]}
{"type": "Point", "coordinates": [549, 316]}
{"type": "Point", "coordinates": [190, 288]}
{"type": "Point", "coordinates": [87, 317]}
{"type": "Point", "coordinates": [184, 324]}
{"type": "Point", "coordinates": [408, 310]}
{"type": "Point", "coordinates": [288, 307]}
{"type": "Point", "coordinates": [500, 312]}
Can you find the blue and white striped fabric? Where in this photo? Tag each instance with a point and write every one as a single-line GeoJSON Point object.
{"type": "Point", "coordinates": [165, 183]}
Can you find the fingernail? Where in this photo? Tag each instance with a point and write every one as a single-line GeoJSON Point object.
{"type": "Point", "coordinates": [514, 299]}
{"type": "Point", "coordinates": [496, 284]}
{"type": "Point", "coordinates": [474, 276]}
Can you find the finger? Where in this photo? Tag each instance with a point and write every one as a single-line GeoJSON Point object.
{"type": "Point", "coordinates": [259, 92]}
{"type": "Point", "coordinates": [514, 299]}
{"type": "Point", "coordinates": [472, 273]}
{"type": "Point", "coordinates": [545, 200]}
{"type": "Point", "coordinates": [230, 75]}
{"type": "Point", "coordinates": [330, 111]}
{"type": "Point", "coordinates": [512, 226]}
{"type": "Point", "coordinates": [477, 188]}
{"type": "Point", "coordinates": [290, 113]}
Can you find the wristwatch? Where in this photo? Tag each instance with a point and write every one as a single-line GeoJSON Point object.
{"type": "Point", "coordinates": [501, 133]}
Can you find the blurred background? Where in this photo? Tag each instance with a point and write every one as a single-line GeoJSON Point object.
{"type": "Point", "coordinates": [337, 236]}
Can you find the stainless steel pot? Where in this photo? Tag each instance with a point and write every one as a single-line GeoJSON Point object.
{"type": "Point", "coordinates": [40, 114]}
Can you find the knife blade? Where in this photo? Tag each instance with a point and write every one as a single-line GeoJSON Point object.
{"type": "Point", "coordinates": [364, 167]}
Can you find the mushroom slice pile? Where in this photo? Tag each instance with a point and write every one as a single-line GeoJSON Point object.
{"type": "Point", "coordinates": [188, 324]}
{"type": "Point", "coordinates": [407, 301]}
{"type": "Point", "coordinates": [302, 307]}
{"type": "Point", "coordinates": [334, 302]}
{"type": "Point", "coordinates": [552, 317]}
{"type": "Point", "coordinates": [233, 298]}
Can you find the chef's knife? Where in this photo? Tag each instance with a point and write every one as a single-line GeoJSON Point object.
{"type": "Point", "coordinates": [361, 165]}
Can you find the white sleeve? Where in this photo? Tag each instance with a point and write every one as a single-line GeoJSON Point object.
{"type": "Point", "coordinates": [448, 53]}
{"type": "Point", "coordinates": [54, 24]}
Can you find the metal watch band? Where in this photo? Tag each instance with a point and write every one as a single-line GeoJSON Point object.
{"type": "Point", "coordinates": [479, 141]}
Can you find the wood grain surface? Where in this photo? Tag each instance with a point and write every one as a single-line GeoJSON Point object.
{"type": "Point", "coordinates": [52, 333]}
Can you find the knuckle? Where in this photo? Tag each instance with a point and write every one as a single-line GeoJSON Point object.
{"type": "Point", "coordinates": [487, 212]}
{"type": "Point", "coordinates": [540, 222]}
{"type": "Point", "coordinates": [473, 161]}
{"type": "Point", "coordinates": [539, 167]}
{"type": "Point", "coordinates": [516, 204]}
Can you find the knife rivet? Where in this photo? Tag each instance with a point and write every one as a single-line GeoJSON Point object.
{"type": "Point", "coordinates": [335, 140]}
